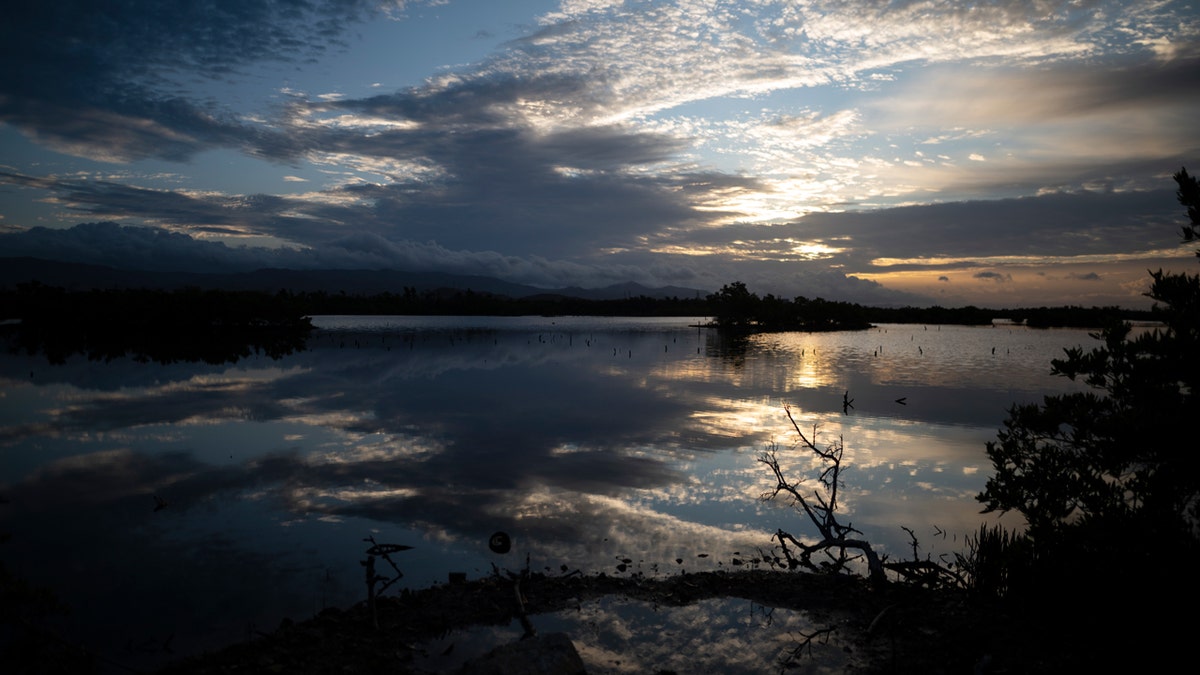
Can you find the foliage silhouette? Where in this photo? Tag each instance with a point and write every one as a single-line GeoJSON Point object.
{"type": "Point", "coordinates": [1108, 480]}
{"type": "Point", "coordinates": [1117, 460]}
{"type": "Point", "coordinates": [737, 309]}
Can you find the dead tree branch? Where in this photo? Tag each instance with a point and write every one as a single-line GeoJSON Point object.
{"type": "Point", "coordinates": [373, 579]}
{"type": "Point", "coordinates": [925, 572]}
{"type": "Point", "coordinates": [836, 538]}
{"type": "Point", "coordinates": [804, 647]}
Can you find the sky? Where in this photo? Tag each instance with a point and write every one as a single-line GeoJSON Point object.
{"type": "Point", "coordinates": [998, 153]}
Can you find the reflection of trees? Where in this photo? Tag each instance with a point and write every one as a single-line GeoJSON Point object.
{"type": "Point", "coordinates": [160, 326]}
{"type": "Point", "coordinates": [729, 346]}
{"type": "Point", "coordinates": [466, 302]}
{"type": "Point", "coordinates": [161, 346]}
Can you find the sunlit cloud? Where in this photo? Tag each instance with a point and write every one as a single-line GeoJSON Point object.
{"type": "Point", "coordinates": [1178, 252]}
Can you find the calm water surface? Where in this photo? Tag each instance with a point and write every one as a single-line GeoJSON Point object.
{"type": "Point", "coordinates": [589, 440]}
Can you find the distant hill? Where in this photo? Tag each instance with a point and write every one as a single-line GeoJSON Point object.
{"type": "Point", "coordinates": [80, 276]}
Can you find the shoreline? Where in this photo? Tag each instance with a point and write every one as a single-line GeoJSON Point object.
{"type": "Point", "coordinates": [346, 640]}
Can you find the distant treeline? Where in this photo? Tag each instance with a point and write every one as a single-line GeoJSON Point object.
{"type": "Point", "coordinates": [766, 313]}
{"type": "Point", "coordinates": [735, 307]}
{"type": "Point", "coordinates": [442, 302]}
{"type": "Point", "coordinates": [108, 322]}
{"type": "Point", "coordinates": [1034, 317]}
{"type": "Point", "coordinates": [151, 325]}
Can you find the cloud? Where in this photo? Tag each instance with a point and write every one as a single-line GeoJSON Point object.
{"type": "Point", "coordinates": [112, 82]}
{"type": "Point", "coordinates": [110, 244]}
{"type": "Point", "coordinates": [1025, 126]}
{"type": "Point", "coordinates": [662, 55]}
{"type": "Point", "coordinates": [816, 256]}
{"type": "Point", "coordinates": [996, 96]}
{"type": "Point", "coordinates": [993, 276]}
{"type": "Point", "coordinates": [105, 80]}
{"type": "Point", "coordinates": [586, 148]}
{"type": "Point", "coordinates": [1054, 224]}
{"type": "Point", "coordinates": [152, 248]}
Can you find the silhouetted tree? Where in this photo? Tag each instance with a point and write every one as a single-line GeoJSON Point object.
{"type": "Point", "coordinates": [1109, 479]}
{"type": "Point", "coordinates": [735, 306]}
{"type": "Point", "coordinates": [1083, 459]}
{"type": "Point", "coordinates": [1189, 196]}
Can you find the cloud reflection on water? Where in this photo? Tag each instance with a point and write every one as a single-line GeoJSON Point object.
{"type": "Point", "coordinates": [585, 444]}
{"type": "Point", "coordinates": [616, 635]}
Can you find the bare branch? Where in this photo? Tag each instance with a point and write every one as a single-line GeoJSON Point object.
{"type": "Point", "coordinates": [820, 635]}
{"type": "Point", "coordinates": [821, 510]}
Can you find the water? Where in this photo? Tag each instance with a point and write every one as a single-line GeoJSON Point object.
{"type": "Point", "coordinates": [589, 440]}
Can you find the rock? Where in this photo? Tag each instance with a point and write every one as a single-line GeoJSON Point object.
{"type": "Point", "coordinates": [552, 654]}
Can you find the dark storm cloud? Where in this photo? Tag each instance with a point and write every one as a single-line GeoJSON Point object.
{"type": "Point", "coordinates": [144, 248]}
{"type": "Point", "coordinates": [473, 101]}
{"type": "Point", "coordinates": [1121, 83]}
{"type": "Point", "coordinates": [147, 248]}
{"type": "Point", "coordinates": [509, 190]}
{"type": "Point", "coordinates": [502, 185]}
{"type": "Point", "coordinates": [103, 78]}
{"type": "Point", "coordinates": [1072, 91]}
{"type": "Point", "coordinates": [1056, 224]}
{"type": "Point", "coordinates": [403, 227]}
{"type": "Point", "coordinates": [504, 192]}
{"type": "Point", "coordinates": [111, 199]}
{"type": "Point", "coordinates": [487, 108]}
{"type": "Point", "coordinates": [1060, 224]}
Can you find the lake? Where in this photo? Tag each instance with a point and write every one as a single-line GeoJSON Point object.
{"type": "Point", "coordinates": [181, 507]}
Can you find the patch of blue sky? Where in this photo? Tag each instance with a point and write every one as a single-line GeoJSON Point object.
{"type": "Point", "coordinates": [232, 172]}
{"type": "Point", "coordinates": [387, 55]}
